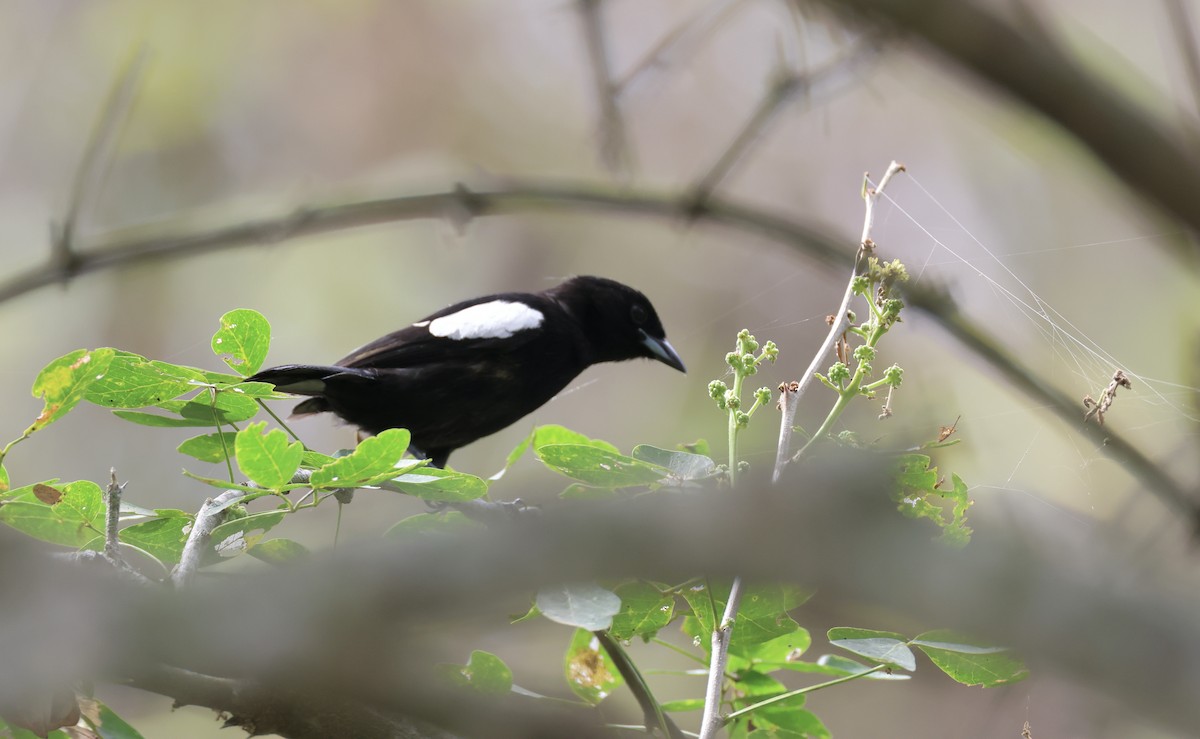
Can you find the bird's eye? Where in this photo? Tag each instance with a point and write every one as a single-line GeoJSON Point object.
{"type": "Point", "coordinates": [638, 314]}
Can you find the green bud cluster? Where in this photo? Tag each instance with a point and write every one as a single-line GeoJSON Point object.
{"type": "Point", "coordinates": [864, 353]}
{"type": "Point", "coordinates": [717, 390]}
{"type": "Point", "coordinates": [893, 375]}
{"type": "Point", "coordinates": [762, 396]}
{"type": "Point", "coordinates": [839, 373]}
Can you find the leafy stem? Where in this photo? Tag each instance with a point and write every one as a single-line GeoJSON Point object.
{"type": "Point", "coordinates": [801, 691]}
{"type": "Point", "coordinates": [876, 285]}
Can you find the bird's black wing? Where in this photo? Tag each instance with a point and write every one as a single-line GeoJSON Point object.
{"type": "Point", "coordinates": [416, 346]}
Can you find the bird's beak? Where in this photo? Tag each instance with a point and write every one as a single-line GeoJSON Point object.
{"type": "Point", "coordinates": [663, 351]}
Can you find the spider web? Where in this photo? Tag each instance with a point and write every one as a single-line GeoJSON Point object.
{"type": "Point", "coordinates": [1075, 361]}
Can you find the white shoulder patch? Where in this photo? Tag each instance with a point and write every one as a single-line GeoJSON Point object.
{"type": "Point", "coordinates": [497, 319]}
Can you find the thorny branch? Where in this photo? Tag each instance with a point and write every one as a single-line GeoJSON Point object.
{"type": "Point", "coordinates": [790, 393]}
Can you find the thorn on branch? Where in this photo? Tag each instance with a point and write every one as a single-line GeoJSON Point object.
{"type": "Point", "coordinates": [465, 207]}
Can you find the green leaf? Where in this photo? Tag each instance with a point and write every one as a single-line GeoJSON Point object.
{"type": "Point", "coordinates": [599, 467]}
{"type": "Point", "coordinates": [3, 480]}
{"type": "Point", "coordinates": [279, 551]}
{"type": "Point", "coordinates": [687, 704]}
{"type": "Point", "coordinates": [432, 523]}
{"type": "Point", "coordinates": [159, 421]}
{"type": "Point", "coordinates": [70, 514]}
{"type": "Point", "coordinates": [243, 340]}
{"type": "Point", "coordinates": [644, 610]}
{"type": "Point", "coordinates": [780, 652]}
{"type": "Point", "coordinates": [433, 484]}
{"type": "Point", "coordinates": [588, 669]}
{"type": "Point", "coordinates": [374, 456]}
{"type": "Point", "coordinates": [65, 381]}
{"type": "Point", "coordinates": [555, 434]}
{"type": "Point", "coordinates": [887, 647]}
{"type": "Point", "coordinates": [484, 672]}
{"type": "Point", "coordinates": [682, 465]}
{"type": "Point", "coordinates": [970, 662]}
{"type": "Point", "coordinates": [209, 447]}
{"type": "Point", "coordinates": [104, 722]}
{"type": "Point", "coordinates": [517, 452]}
{"type": "Point", "coordinates": [162, 538]}
{"type": "Point", "coordinates": [529, 615]}
{"type": "Point", "coordinates": [754, 686]}
{"type": "Point", "coordinates": [255, 390]}
{"type": "Point", "coordinates": [781, 721]}
{"type": "Point", "coordinates": [267, 459]}
{"type": "Point", "coordinates": [838, 665]}
{"type": "Point", "coordinates": [132, 381]}
{"type": "Point", "coordinates": [240, 534]}
{"type": "Point", "coordinates": [586, 605]}
{"type": "Point", "coordinates": [230, 407]}
{"type": "Point", "coordinates": [761, 617]}
{"type": "Point", "coordinates": [315, 460]}
{"type": "Point", "coordinates": [920, 492]}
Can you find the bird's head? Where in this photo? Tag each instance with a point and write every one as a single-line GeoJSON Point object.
{"type": "Point", "coordinates": [619, 321]}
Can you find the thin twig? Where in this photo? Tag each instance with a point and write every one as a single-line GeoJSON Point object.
{"type": "Point", "coordinates": [788, 85]}
{"type": "Point", "coordinates": [715, 689]}
{"type": "Point", "coordinates": [652, 713]}
{"type": "Point", "coordinates": [790, 396]}
{"type": "Point", "coordinates": [116, 108]}
{"type": "Point", "coordinates": [695, 28]}
{"type": "Point", "coordinates": [112, 517]}
{"type": "Point", "coordinates": [614, 143]}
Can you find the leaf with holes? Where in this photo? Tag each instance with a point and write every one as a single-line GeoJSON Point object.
{"type": "Point", "coordinates": [242, 340]}
{"type": "Point", "coordinates": [65, 381]}
{"type": "Point", "coordinates": [644, 610]}
{"type": "Point", "coordinates": [588, 668]}
{"type": "Point", "coordinates": [132, 381]}
{"type": "Point", "coordinates": [267, 459]}
{"type": "Point", "coordinates": [373, 460]}
{"type": "Point", "coordinates": [436, 485]}
{"type": "Point", "coordinates": [240, 534]}
{"type": "Point", "coordinates": [599, 467]}
{"type": "Point", "coordinates": [163, 537]}
{"type": "Point", "coordinates": [70, 514]}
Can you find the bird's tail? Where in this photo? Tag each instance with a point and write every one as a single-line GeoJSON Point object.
{"type": "Point", "coordinates": [304, 379]}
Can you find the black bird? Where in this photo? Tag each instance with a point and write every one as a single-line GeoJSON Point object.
{"type": "Point", "coordinates": [472, 369]}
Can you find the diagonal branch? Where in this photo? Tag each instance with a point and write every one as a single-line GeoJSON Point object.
{"type": "Point", "coordinates": [812, 241]}
{"type": "Point", "coordinates": [1138, 148]}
